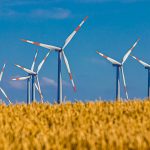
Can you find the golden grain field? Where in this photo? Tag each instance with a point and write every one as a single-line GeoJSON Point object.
{"type": "Point", "coordinates": [91, 125]}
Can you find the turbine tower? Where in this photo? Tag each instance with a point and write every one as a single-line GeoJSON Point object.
{"type": "Point", "coordinates": [1, 75]}
{"type": "Point", "coordinates": [61, 54]}
{"type": "Point", "coordinates": [147, 66]}
{"type": "Point", "coordinates": [119, 67]}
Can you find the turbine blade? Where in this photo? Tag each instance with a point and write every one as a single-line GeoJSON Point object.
{"type": "Point", "coordinates": [37, 85]}
{"type": "Point", "coordinates": [68, 69]}
{"type": "Point", "coordinates": [5, 95]}
{"type": "Point", "coordinates": [42, 62]}
{"type": "Point", "coordinates": [1, 74]}
{"type": "Point", "coordinates": [109, 59]}
{"type": "Point", "coordinates": [74, 32]}
{"type": "Point", "coordinates": [124, 83]}
{"type": "Point", "coordinates": [129, 51]}
{"type": "Point", "coordinates": [41, 97]}
{"type": "Point", "coordinates": [21, 78]}
{"type": "Point", "coordinates": [50, 47]}
{"type": "Point", "coordinates": [141, 62]}
{"type": "Point", "coordinates": [33, 64]}
{"type": "Point", "coordinates": [25, 69]}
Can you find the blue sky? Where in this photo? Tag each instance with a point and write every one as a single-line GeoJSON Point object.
{"type": "Point", "coordinates": [112, 27]}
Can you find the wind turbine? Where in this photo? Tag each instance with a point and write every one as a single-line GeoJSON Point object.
{"type": "Point", "coordinates": [34, 76]}
{"type": "Point", "coordinates": [147, 66]}
{"type": "Point", "coordinates": [28, 78]}
{"type": "Point", "coordinates": [61, 53]}
{"type": "Point", "coordinates": [119, 67]}
{"type": "Point", "coordinates": [1, 75]}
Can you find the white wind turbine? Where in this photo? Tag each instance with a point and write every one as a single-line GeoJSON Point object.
{"type": "Point", "coordinates": [34, 76]}
{"type": "Point", "coordinates": [119, 67]}
{"type": "Point", "coordinates": [1, 75]}
{"type": "Point", "coordinates": [61, 53]}
{"type": "Point", "coordinates": [147, 66]}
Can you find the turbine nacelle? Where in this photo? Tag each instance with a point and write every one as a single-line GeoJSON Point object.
{"type": "Point", "coordinates": [117, 65]}
{"type": "Point", "coordinates": [33, 74]}
{"type": "Point", "coordinates": [59, 50]}
{"type": "Point", "coordinates": [147, 68]}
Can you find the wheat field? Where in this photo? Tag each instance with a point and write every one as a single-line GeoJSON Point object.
{"type": "Point", "coordinates": [83, 126]}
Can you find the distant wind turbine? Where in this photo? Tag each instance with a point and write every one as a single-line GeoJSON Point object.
{"type": "Point", "coordinates": [147, 66]}
{"type": "Point", "coordinates": [61, 53]}
{"type": "Point", "coordinates": [1, 75]}
{"type": "Point", "coordinates": [34, 76]}
{"type": "Point", "coordinates": [119, 66]}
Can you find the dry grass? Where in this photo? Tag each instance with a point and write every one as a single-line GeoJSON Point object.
{"type": "Point", "coordinates": [92, 125]}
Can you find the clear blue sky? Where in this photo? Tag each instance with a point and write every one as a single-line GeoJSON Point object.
{"type": "Point", "coordinates": [112, 27]}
